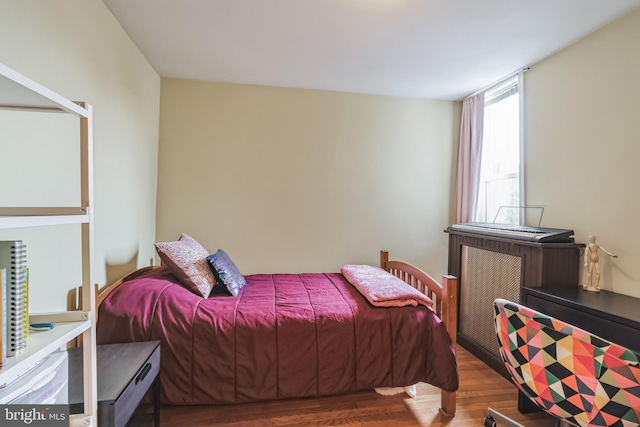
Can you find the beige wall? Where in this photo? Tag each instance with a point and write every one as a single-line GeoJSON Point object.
{"type": "Point", "coordinates": [290, 180]}
{"type": "Point", "coordinates": [582, 110]}
{"type": "Point", "coordinates": [76, 48]}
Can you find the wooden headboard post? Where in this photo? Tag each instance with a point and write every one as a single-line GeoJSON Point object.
{"type": "Point", "coordinates": [384, 259]}
{"type": "Point", "coordinates": [449, 317]}
{"type": "Point", "coordinates": [449, 313]}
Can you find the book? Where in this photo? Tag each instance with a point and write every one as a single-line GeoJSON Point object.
{"type": "Point", "coordinates": [3, 316]}
{"type": "Point", "coordinates": [13, 258]}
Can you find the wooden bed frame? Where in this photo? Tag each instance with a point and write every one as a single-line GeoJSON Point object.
{"type": "Point", "coordinates": [444, 296]}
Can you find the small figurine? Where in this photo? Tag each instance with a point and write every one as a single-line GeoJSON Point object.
{"type": "Point", "coordinates": [591, 260]}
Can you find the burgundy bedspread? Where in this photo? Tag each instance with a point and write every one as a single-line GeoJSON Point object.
{"type": "Point", "coordinates": [283, 336]}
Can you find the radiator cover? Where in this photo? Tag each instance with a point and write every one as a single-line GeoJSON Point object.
{"type": "Point", "coordinates": [485, 276]}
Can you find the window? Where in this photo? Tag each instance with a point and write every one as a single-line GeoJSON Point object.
{"type": "Point", "coordinates": [499, 193]}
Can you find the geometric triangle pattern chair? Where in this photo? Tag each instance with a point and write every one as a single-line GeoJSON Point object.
{"type": "Point", "coordinates": [579, 378]}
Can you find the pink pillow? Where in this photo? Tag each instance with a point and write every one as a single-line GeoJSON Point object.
{"type": "Point", "coordinates": [187, 260]}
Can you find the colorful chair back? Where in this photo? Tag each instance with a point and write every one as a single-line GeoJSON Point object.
{"type": "Point", "coordinates": [570, 373]}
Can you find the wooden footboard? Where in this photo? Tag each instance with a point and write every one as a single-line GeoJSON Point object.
{"type": "Point", "coordinates": [445, 298]}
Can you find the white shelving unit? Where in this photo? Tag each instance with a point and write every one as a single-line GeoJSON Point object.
{"type": "Point", "coordinates": [18, 92]}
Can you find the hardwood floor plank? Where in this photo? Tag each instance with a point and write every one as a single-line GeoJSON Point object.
{"type": "Point", "coordinates": [480, 388]}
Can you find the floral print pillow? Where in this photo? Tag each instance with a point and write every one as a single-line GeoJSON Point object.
{"type": "Point", "coordinates": [187, 260]}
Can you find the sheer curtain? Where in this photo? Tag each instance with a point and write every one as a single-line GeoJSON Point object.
{"type": "Point", "coordinates": [469, 158]}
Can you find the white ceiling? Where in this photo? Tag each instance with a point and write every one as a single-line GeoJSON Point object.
{"type": "Point", "coordinates": [438, 49]}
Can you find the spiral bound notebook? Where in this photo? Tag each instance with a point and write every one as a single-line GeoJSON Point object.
{"type": "Point", "coordinates": [13, 258]}
{"type": "Point", "coordinates": [3, 316]}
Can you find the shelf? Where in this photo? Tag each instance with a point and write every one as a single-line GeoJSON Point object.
{"type": "Point", "coordinates": [41, 343]}
{"type": "Point", "coordinates": [39, 216]}
{"type": "Point", "coordinates": [18, 92]}
{"type": "Point", "coordinates": [35, 221]}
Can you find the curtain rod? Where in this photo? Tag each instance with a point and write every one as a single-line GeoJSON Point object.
{"type": "Point", "coordinates": [515, 73]}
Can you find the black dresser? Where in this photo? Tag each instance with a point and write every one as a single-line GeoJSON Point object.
{"type": "Point", "coordinates": [612, 316]}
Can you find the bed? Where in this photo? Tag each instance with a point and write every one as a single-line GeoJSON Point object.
{"type": "Point", "coordinates": [285, 335]}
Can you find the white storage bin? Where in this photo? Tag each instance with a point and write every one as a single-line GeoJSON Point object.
{"type": "Point", "coordinates": [46, 384]}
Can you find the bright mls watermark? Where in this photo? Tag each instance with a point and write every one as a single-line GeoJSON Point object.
{"type": "Point", "coordinates": [34, 415]}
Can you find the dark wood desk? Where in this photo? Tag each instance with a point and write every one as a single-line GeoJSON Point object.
{"type": "Point", "coordinates": [612, 316]}
{"type": "Point", "coordinates": [125, 373]}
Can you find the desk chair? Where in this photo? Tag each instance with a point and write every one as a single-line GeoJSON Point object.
{"type": "Point", "coordinates": [577, 377]}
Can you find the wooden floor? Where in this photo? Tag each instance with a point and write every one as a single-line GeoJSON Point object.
{"type": "Point", "coordinates": [480, 387]}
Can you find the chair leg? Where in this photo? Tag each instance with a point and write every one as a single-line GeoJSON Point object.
{"type": "Point", "coordinates": [490, 420]}
{"type": "Point", "coordinates": [494, 416]}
